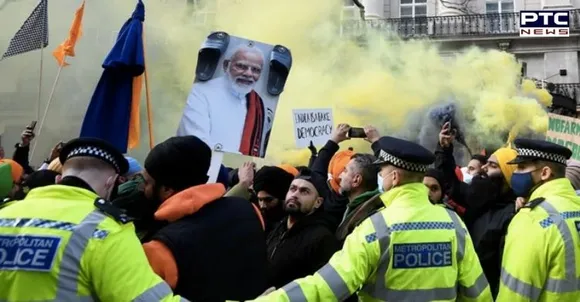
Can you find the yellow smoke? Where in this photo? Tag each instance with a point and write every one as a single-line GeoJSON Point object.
{"type": "Point", "coordinates": [379, 84]}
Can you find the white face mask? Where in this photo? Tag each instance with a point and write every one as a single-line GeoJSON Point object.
{"type": "Point", "coordinates": [466, 176]}
{"type": "Point", "coordinates": [380, 183]}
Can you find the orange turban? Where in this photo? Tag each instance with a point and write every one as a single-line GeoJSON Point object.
{"type": "Point", "coordinates": [289, 168]}
{"type": "Point", "coordinates": [336, 166]}
{"type": "Point", "coordinates": [16, 168]}
{"type": "Point", "coordinates": [505, 155]}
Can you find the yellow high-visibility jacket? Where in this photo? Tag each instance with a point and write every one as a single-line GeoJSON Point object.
{"type": "Point", "coordinates": [542, 249]}
{"type": "Point", "coordinates": [410, 251]}
{"type": "Point", "coordinates": [55, 245]}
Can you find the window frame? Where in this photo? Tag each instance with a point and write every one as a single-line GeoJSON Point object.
{"type": "Point", "coordinates": [413, 5]}
{"type": "Point", "coordinates": [499, 5]}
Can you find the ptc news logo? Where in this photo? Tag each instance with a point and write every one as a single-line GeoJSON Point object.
{"type": "Point", "coordinates": [544, 24]}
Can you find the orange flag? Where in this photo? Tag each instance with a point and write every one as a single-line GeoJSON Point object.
{"type": "Point", "coordinates": [67, 48]}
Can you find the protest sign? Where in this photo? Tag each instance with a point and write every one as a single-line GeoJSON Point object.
{"type": "Point", "coordinates": [565, 131]}
{"type": "Point", "coordinates": [312, 125]}
{"type": "Point", "coordinates": [232, 103]}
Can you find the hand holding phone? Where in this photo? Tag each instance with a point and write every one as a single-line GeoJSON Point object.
{"type": "Point", "coordinates": [356, 132]}
{"type": "Point", "coordinates": [31, 126]}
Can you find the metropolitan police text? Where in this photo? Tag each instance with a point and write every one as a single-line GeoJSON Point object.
{"type": "Point", "coordinates": [420, 255]}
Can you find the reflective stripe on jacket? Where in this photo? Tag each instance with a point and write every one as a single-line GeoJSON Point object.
{"type": "Point", "coordinates": [56, 246]}
{"type": "Point", "coordinates": [542, 249]}
{"type": "Point", "coordinates": [410, 251]}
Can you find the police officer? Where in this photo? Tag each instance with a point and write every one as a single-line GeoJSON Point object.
{"type": "Point", "coordinates": [542, 249]}
{"type": "Point", "coordinates": [64, 242]}
{"type": "Point", "coordinates": [411, 250]}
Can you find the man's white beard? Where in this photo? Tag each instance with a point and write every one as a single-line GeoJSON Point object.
{"type": "Point", "coordinates": [238, 88]}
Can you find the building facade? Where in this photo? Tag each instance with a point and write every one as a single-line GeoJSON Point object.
{"type": "Point", "coordinates": [457, 24]}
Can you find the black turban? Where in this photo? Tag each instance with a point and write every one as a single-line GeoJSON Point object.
{"type": "Point", "coordinates": [179, 162]}
{"type": "Point", "coordinates": [275, 181]}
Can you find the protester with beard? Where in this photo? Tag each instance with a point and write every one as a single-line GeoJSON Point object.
{"type": "Point", "coordinates": [213, 247]}
{"type": "Point", "coordinates": [301, 243]}
{"type": "Point", "coordinates": [410, 251]}
{"type": "Point", "coordinates": [227, 111]}
{"type": "Point", "coordinates": [270, 186]}
{"type": "Point", "coordinates": [358, 182]}
{"type": "Point", "coordinates": [541, 254]}
{"type": "Point", "coordinates": [490, 208]}
{"type": "Point", "coordinates": [84, 248]}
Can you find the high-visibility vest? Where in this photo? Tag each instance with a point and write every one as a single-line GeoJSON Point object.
{"type": "Point", "coordinates": [55, 245]}
{"type": "Point", "coordinates": [541, 258]}
{"type": "Point", "coordinates": [409, 251]}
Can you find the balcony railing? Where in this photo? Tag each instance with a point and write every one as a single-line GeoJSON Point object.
{"type": "Point", "coordinates": [481, 25]}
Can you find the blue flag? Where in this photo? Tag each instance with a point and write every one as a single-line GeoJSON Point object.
{"type": "Point", "coordinates": [109, 112]}
{"type": "Point", "coordinates": [33, 34]}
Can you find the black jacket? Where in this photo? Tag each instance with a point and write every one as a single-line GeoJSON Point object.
{"type": "Point", "coordinates": [299, 251]}
{"type": "Point", "coordinates": [335, 204]}
{"type": "Point", "coordinates": [487, 218]}
{"type": "Point", "coordinates": [489, 209]}
{"type": "Point", "coordinates": [21, 156]}
{"type": "Point", "coordinates": [220, 252]}
{"type": "Point", "coordinates": [452, 187]}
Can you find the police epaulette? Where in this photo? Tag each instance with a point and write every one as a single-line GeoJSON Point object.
{"type": "Point", "coordinates": [110, 209]}
{"type": "Point", "coordinates": [533, 203]}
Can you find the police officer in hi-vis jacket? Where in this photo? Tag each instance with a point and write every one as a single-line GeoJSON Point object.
{"type": "Point", "coordinates": [411, 250]}
{"type": "Point", "coordinates": [65, 242]}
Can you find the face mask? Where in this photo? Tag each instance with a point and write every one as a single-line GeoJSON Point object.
{"type": "Point", "coordinates": [522, 184]}
{"type": "Point", "coordinates": [380, 183]}
{"type": "Point", "coordinates": [467, 178]}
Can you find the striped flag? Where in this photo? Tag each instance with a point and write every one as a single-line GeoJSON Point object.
{"type": "Point", "coordinates": [33, 34]}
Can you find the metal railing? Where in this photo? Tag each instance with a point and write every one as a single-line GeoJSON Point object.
{"type": "Point", "coordinates": [480, 25]}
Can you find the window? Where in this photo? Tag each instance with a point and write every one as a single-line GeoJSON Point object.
{"type": "Point", "coordinates": [501, 19]}
{"type": "Point", "coordinates": [413, 8]}
{"type": "Point", "coordinates": [499, 6]}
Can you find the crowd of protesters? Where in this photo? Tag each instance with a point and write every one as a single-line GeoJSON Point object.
{"type": "Point", "coordinates": [324, 231]}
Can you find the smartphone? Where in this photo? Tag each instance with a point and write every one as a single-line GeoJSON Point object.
{"type": "Point", "coordinates": [31, 126]}
{"type": "Point", "coordinates": [356, 132]}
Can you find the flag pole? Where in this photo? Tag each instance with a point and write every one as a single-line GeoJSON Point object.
{"type": "Point", "coordinates": [147, 96]}
{"type": "Point", "coordinates": [48, 105]}
{"type": "Point", "coordinates": [40, 80]}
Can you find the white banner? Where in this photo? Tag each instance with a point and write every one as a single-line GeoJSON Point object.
{"type": "Point", "coordinates": [312, 125]}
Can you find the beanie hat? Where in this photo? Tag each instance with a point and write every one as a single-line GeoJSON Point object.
{"type": "Point", "coordinates": [290, 169]}
{"type": "Point", "coordinates": [5, 180]}
{"type": "Point", "coordinates": [36, 179]}
{"type": "Point", "coordinates": [316, 180]}
{"type": "Point", "coordinates": [274, 180]}
{"type": "Point", "coordinates": [40, 178]}
{"type": "Point", "coordinates": [179, 162]}
{"type": "Point", "coordinates": [573, 173]}
{"type": "Point", "coordinates": [16, 169]}
{"type": "Point", "coordinates": [336, 166]}
{"type": "Point", "coordinates": [134, 166]}
{"type": "Point", "coordinates": [55, 165]}
{"type": "Point", "coordinates": [438, 175]}
{"type": "Point", "coordinates": [505, 155]}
